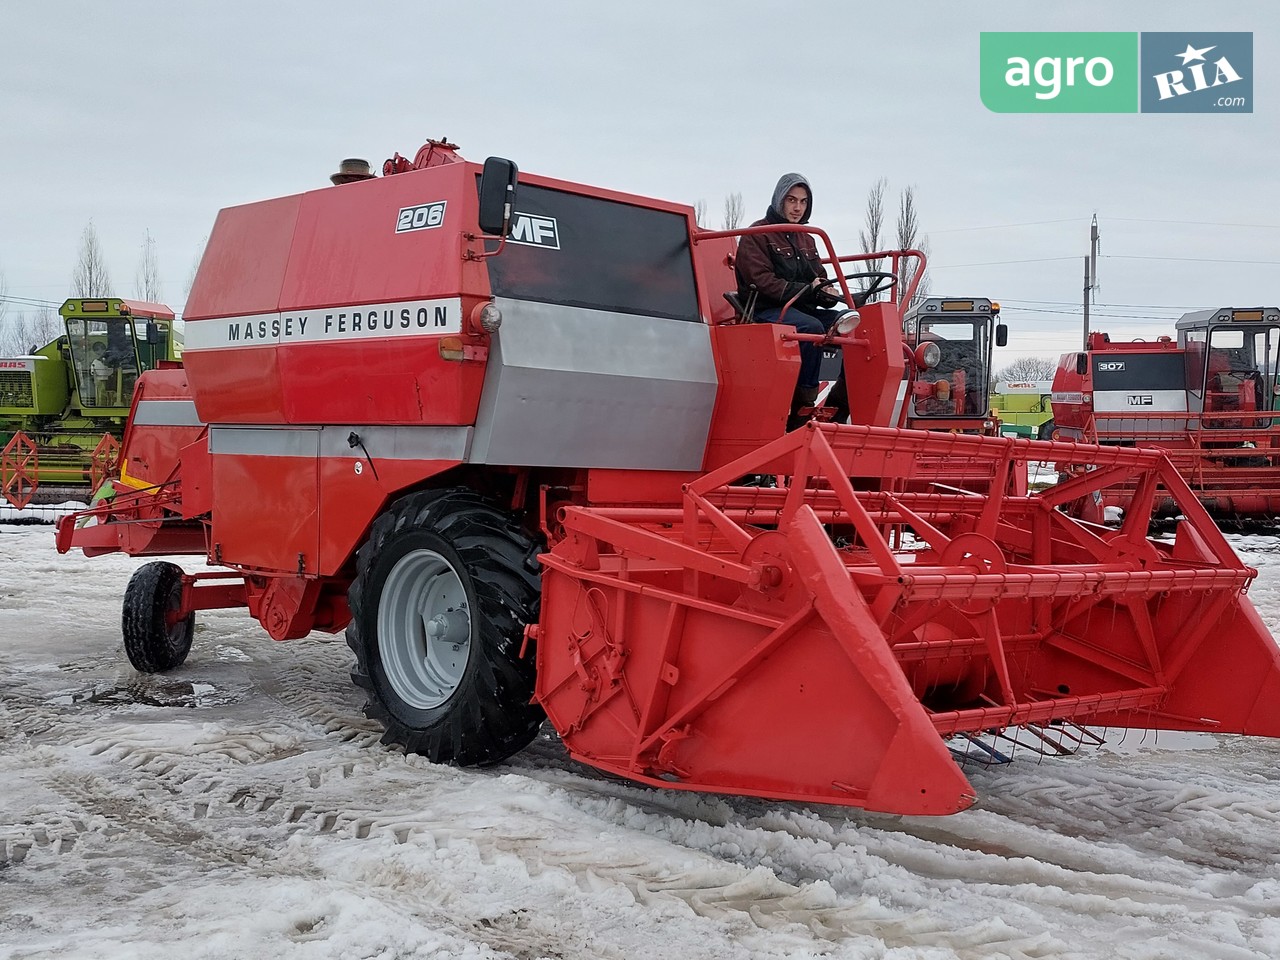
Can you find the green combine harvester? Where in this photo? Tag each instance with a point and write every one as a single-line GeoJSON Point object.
{"type": "Point", "coordinates": [1024, 408]}
{"type": "Point", "coordinates": [63, 407]}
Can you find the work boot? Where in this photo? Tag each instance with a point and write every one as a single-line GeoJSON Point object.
{"type": "Point", "coordinates": [802, 400]}
{"type": "Point", "coordinates": [838, 400]}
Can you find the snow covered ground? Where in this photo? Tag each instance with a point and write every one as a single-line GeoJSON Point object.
{"type": "Point", "coordinates": [243, 807]}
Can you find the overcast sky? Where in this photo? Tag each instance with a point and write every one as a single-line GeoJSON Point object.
{"type": "Point", "coordinates": [145, 116]}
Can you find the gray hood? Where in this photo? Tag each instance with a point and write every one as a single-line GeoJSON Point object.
{"type": "Point", "coordinates": [785, 183]}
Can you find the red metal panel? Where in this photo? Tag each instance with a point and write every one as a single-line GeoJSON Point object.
{"type": "Point", "coordinates": [236, 385]}
{"type": "Point", "coordinates": [196, 471]}
{"type": "Point", "coordinates": [244, 263]}
{"type": "Point", "coordinates": [346, 249]}
{"type": "Point", "coordinates": [241, 274]}
{"type": "Point", "coordinates": [147, 310]}
{"type": "Point", "coordinates": [636, 486]}
{"type": "Point", "coordinates": [378, 382]}
{"type": "Point", "coordinates": [266, 512]}
{"type": "Point", "coordinates": [757, 372]}
{"type": "Point", "coordinates": [352, 500]}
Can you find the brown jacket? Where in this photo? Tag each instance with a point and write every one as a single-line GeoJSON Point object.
{"type": "Point", "coordinates": [779, 265]}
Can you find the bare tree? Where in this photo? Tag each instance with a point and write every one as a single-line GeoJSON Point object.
{"type": "Point", "coordinates": [90, 279]}
{"type": "Point", "coordinates": [700, 213]}
{"type": "Point", "coordinates": [869, 237]}
{"type": "Point", "coordinates": [925, 284]}
{"type": "Point", "coordinates": [146, 283]}
{"type": "Point", "coordinates": [25, 333]}
{"type": "Point", "coordinates": [734, 209]}
{"type": "Point", "coordinates": [1028, 368]}
{"type": "Point", "coordinates": [910, 238]}
{"type": "Point", "coordinates": [11, 336]}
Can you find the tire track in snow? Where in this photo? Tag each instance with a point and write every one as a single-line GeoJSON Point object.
{"type": "Point", "coordinates": [869, 858]}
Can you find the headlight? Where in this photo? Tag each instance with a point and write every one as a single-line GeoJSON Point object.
{"type": "Point", "coordinates": [485, 318]}
{"type": "Point", "coordinates": [846, 323]}
{"type": "Point", "coordinates": [928, 355]}
{"type": "Point", "coordinates": [490, 318]}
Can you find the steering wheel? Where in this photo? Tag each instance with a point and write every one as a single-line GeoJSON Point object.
{"type": "Point", "coordinates": [880, 281]}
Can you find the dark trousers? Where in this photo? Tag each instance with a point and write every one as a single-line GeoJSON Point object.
{"type": "Point", "coordinates": [809, 320]}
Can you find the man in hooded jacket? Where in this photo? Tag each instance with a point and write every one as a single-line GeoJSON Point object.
{"type": "Point", "coordinates": [778, 267]}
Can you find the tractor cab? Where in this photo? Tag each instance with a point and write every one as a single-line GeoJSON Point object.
{"type": "Point", "coordinates": [952, 394]}
{"type": "Point", "coordinates": [111, 342]}
{"type": "Point", "coordinates": [1231, 363]}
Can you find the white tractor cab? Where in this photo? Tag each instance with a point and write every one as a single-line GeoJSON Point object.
{"type": "Point", "coordinates": [952, 393]}
{"type": "Point", "coordinates": [1231, 360]}
{"type": "Point", "coordinates": [947, 390]}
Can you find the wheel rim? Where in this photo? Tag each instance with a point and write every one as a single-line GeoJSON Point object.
{"type": "Point", "coordinates": [175, 627]}
{"type": "Point", "coordinates": [424, 629]}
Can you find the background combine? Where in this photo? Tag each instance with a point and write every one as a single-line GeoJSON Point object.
{"type": "Point", "coordinates": [1025, 408]}
{"type": "Point", "coordinates": [63, 406]}
{"type": "Point", "coordinates": [498, 434]}
{"type": "Point", "coordinates": [1210, 399]}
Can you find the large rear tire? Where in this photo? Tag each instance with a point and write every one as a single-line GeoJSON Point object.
{"type": "Point", "coordinates": [153, 640]}
{"type": "Point", "coordinates": [1045, 432]}
{"type": "Point", "coordinates": [444, 588]}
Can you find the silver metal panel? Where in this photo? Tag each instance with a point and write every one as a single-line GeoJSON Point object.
{"type": "Point", "coordinates": [264, 441]}
{"type": "Point", "coordinates": [398, 443]}
{"type": "Point", "coordinates": [166, 413]}
{"type": "Point", "coordinates": [1138, 402]}
{"type": "Point", "coordinates": [382, 443]}
{"type": "Point", "coordinates": [1115, 413]}
{"type": "Point", "coordinates": [572, 387]}
{"type": "Point", "coordinates": [1144, 428]}
{"type": "Point", "coordinates": [900, 398]}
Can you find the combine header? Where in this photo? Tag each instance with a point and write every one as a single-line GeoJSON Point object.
{"type": "Point", "coordinates": [1210, 399]}
{"type": "Point", "coordinates": [498, 434]}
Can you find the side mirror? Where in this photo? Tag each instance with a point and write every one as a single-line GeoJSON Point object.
{"type": "Point", "coordinates": [1002, 335]}
{"type": "Point", "coordinates": [1082, 363]}
{"type": "Point", "coordinates": [497, 196]}
{"type": "Point", "coordinates": [153, 332]}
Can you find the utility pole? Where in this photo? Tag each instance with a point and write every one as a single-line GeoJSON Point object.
{"type": "Point", "coordinates": [1090, 275]}
{"type": "Point", "coordinates": [1086, 303]}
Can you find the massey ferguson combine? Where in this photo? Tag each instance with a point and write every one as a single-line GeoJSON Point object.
{"type": "Point", "coordinates": [496, 432]}
{"type": "Point", "coordinates": [1210, 400]}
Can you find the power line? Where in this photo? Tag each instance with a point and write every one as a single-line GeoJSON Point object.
{"type": "Point", "coordinates": [1200, 223]}
{"type": "Point", "coordinates": [30, 302]}
{"type": "Point", "coordinates": [1103, 316]}
{"type": "Point", "coordinates": [1116, 256]}
{"type": "Point", "coordinates": [1131, 306]}
{"type": "Point", "coordinates": [996, 263]}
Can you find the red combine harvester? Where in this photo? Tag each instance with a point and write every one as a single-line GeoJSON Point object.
{"type": "Point", "coordinates": [497, 434]}
{"type": "Point", "coordinates": [1210, 400]}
